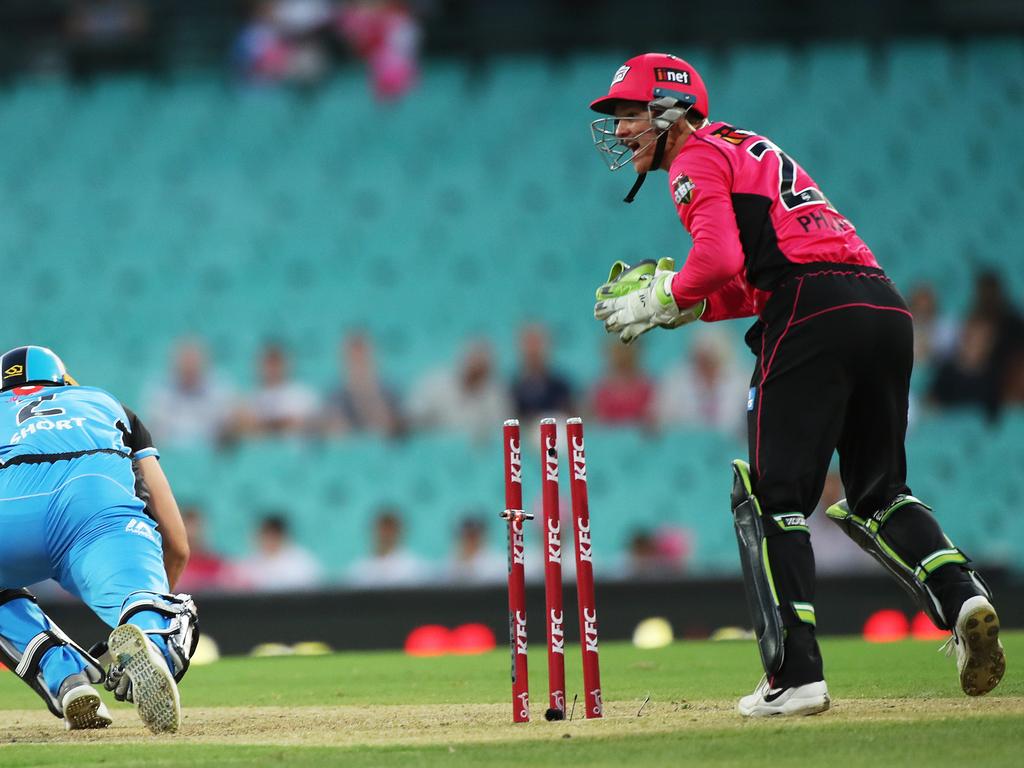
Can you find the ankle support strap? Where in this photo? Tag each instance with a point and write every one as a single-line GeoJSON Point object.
{"type": "Point", "coordinates": [868, 534]}
{"type": "Point", "coordinates": [27, 662]}
{"type": "Point", "coordinates": [181, 633]}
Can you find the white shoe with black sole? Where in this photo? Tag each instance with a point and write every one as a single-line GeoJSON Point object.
{"type": "Point", "coordinates": [153, 687]}
{"type": "Point", "coordinates": [84, 709]}
{"type": "Point", "coordinates": [765, 701]}
{"type": "Point", "coordinates": [980, 660]}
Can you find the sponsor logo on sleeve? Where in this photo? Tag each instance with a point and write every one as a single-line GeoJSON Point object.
{"type": "Point", "coordinates": [751, 396]}
{"type": "Point", "coordinates": [682, 189]}
{"type": "Point", "coordinates": [620, 74]}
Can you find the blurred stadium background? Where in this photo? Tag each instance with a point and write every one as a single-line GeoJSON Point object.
{"type": "Point", "coordinates": [382, 214]}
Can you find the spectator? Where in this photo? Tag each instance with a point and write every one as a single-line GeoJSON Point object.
{"type": "Point", "coordinates": [969, 378]}
{"type": "Point", "coordinates": [280, 405]}
{"type": "Point", "coordinates": [642, 559]}
{"type": "Point", "coordinates": [110, 36]}
{"type": "Point", "coordinates": [285, 40]}
{"type": "Point", "coordinates": [934, 334]}
{"type": "Point", "coordinates": [708, 389]}
{"type": "Point", "coordinates": [361, 403]}
{"type": "Point", "coordinates": [473, 562]}
{"type": "Point", "coordinates": [192, 406]}
{"type": "Point", "coordinates": [660, 554]}
{"type": "Point", "coordinates": [468, 399]}
{"type": "Point", "coordinates": [279, 564]}
{"type": "Point", "coordinates": [390, 565]}
{"type": "Point", "coordinates": [387, 35]}
{"type": "Point", "coordinates": [205, 570]}
{"type": "Point", "coordinates": [537, 390]}
{"type": "Point", "coordinates": [991, 302]}
{"type": "Point", "coordinates": [1013, 383]}
{"type": "Point", "coordinates": [624, 394]}
{"type": "Point", "coordinates": [990, 299]}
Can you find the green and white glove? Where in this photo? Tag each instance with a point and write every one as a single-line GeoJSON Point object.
{"type": "Point", "coordinates": [636, 299]}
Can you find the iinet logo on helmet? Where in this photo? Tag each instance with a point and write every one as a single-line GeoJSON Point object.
{"type": "Point", "coordinates": [666, 75]}
{"type": "Point", "coordinates": [620, 74]}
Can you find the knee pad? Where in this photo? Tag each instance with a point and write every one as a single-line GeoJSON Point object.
{"type": "Point", "coordinates": [26, 662]}
{"type": "Point", "coordinates": [762, 597]}
{"type": "Point", "coordinates": [182, 632]}
{"type": "Point", "coordinates": [911, 570]}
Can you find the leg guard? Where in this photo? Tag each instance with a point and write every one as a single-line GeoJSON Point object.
{"type": "Point", "coordinates": [912, 571]}
{"type": "Point", "coordinates": [757, 573]}
{"type": "Point", "coordinates": [180, 634]}
{"type": "Point", "coordinates": [26, 658]}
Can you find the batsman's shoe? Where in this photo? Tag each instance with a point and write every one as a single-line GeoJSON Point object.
{"type": "Point", "coordinates": [809, 699]}
{"type": "Point", "coordinates": [980, 660]}
{"type": "Point", "coordinates": [153, 687]}
{"type": "Point", "coordinates": [83, 708]}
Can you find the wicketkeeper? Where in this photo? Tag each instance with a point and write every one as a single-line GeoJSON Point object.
{"type": "Point", "coordinates": [834, 346]}
{"type": "Point", "coordinates": [83, 501]}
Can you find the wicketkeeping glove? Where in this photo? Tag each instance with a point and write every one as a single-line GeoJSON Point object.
{"type": "Point", "coordinates": [636, 299]}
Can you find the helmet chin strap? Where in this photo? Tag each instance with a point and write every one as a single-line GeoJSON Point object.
{"type": "Point", "coordinates": [659, 153]}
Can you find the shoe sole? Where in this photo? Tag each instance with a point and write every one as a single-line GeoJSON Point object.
{"type": "Point", "coordinates": [153, 687]}
{"type": "Point", "coordinates": [83, 713]}
{"type": "Point", "coordinates": [986, 662]}
{"type": "Point", "coordinates": [808, 708]}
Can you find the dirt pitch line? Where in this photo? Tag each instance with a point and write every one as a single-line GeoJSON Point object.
{"type": "Point", "coordinates": [348, 726]}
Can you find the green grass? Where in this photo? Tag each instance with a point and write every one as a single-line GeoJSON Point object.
{"type": "Point", "coordinates": [931, 720]}
{"type": "Point", "coordinates": [989, 742]}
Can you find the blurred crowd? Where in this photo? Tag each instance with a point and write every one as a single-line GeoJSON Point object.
{"type": "Point", "coordinates": [974, 362]}
{"type": "Point", "coordinates": [296, 42]}
{"type": "Point", "coordinates": [277, 563]}
{"type": "Point", "coordinates": [195, 404]}
{"type": "Point", "coordinates": [299, 41]}
{"type": "Point", "coordinates": [970, 362]}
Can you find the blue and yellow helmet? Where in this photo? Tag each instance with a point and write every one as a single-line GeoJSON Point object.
{"type": "Point", "coordinates": [32, 365]}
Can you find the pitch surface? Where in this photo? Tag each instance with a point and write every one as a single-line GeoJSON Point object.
{"type": "Point", "coordinates": [898, 703]}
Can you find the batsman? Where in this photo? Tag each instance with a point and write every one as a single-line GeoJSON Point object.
{"type": "Point", "coordinates": [83, 501]}
{"type": "Point", "coordinates": [834, 345]}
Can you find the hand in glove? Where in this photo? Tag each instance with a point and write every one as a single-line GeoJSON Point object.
{"type": "Point", "coordinates": [636, 299]}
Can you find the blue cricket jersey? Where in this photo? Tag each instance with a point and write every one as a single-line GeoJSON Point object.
{"type": "Point", "coordinates": [38, 423]}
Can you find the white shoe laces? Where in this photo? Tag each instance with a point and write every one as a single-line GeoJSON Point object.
{"type": "Point", "coordinates": [950, 645]}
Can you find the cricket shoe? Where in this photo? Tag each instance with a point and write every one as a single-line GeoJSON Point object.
{"type": "Point", "coordinates": [809, 699]}
{"type": "Point", "coordinates": [153, 687]}
{"type": "Point", "coordinates": [980, 660]}
{"type": "Point", "coordinates": [82, 706]}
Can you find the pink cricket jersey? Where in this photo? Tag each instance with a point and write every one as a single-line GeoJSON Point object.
{"type": "Point", "coordinates": [752, 213]}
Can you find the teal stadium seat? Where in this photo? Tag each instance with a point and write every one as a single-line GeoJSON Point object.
{"type": "Point", "coordinates": [190, 207]}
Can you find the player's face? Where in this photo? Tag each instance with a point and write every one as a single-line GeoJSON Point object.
{"type": "Point", "coordinates": [634, 130]}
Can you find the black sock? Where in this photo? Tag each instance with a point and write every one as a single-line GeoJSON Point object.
{"type": "Point", "coordinates": [802, 661]}
{"type": "Point", "coordinates": [953, 586]}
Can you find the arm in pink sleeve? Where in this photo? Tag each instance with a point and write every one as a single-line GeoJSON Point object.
{"type": "Point", "coordinates": [716, 256]}
{"type": "Point", "coordinates": [734, 299]}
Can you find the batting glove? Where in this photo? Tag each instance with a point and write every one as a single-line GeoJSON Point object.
{"type": "Point", "coordinates": [118, 682]}
{"type": "Point", "coordinates": [636, 299]}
